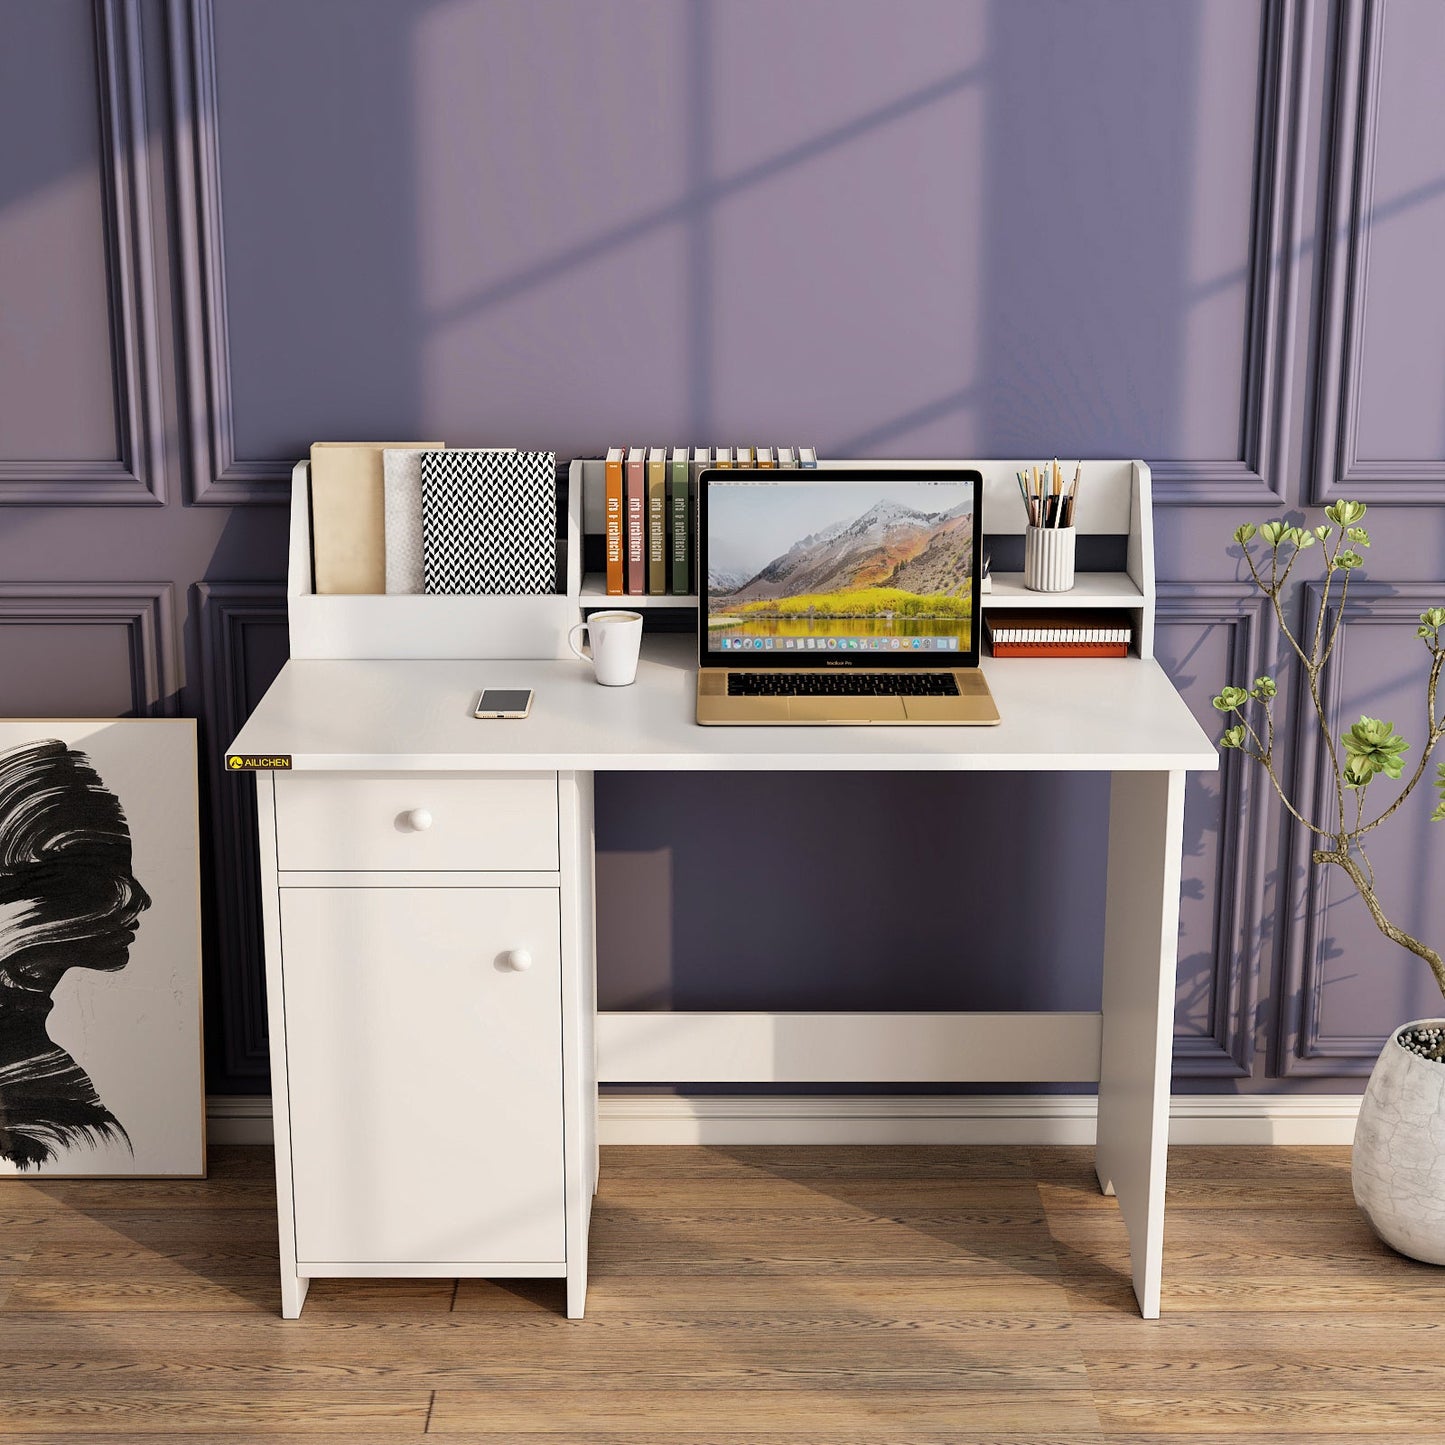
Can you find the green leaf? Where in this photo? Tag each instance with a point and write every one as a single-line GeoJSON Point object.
{"type": "Point", "coordinates": [1343, 513]}
{"type": "Point", "coordinates": [1373, 747]}
{"type": "Point", "coordinates": [1358, 772]}
{"type": "Point", "coordinates": [1322, 533]}
{"type": "Point", "coordinates": [1234, 738]}
{"type": "Point", "coordinates": [1300, 537]}
{"type": "Point", "coordinates": [1264, 687]}
{"type": "Point", "coordinates": [1273, 533]}
{"type": "Point", "coordinates": [1245, 533]}
{"type": "Point", "coordinates": [1230, 698]}
{"type": "Point", "coordinates": [1349, 561]}
{"type": "Point", "coordinates": [1433, 617]}
{"type": "Point", "coordinates": [1358, 536]}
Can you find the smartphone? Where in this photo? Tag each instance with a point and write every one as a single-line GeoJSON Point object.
{"type": "Point", "coordinates": [504, 702]}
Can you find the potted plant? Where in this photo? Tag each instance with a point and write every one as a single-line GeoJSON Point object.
{"type": "Point", "coordinates": [1398, 1164]}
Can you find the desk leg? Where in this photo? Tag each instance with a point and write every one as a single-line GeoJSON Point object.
{"type": "Point", "coordinates": [293, 1283]}
{"type": "Point", "coordinates": [579, 1016]}
{"type": "Point", "coordinates": [1141, 947]}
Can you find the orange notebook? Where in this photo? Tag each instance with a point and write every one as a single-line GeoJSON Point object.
{"type": "Point", "coordinates": [613, 522]}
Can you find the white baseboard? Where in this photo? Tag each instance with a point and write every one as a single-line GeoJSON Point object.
{"type": "Point", "coordinates": [902, 1119]}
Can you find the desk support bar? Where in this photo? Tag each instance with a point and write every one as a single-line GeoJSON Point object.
{"type": "Point", "coordinates": [1141, 945]}
{"type": "Point", "coordinates": [854, 1048]}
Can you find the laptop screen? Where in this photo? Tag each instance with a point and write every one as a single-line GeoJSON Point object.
{"type": "Point", "coordinates": [841, 566]}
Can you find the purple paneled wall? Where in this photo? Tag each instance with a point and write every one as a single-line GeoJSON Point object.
{"type": "Point", "coordinates": [1204, 232]}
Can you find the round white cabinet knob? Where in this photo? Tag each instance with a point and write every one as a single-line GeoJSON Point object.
{"type": "Point", "coordinates": [418, 819]}
{"type": "Point", "coordinates": [518, 960]}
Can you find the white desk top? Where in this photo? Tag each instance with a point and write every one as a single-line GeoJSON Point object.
{"type": "Point", "coordinates": [1059, 714]}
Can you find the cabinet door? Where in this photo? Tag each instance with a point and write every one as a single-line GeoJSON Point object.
{"type": "Point", "coordinates": [425, 1074]}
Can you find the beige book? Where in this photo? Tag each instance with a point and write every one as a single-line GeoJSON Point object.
{"type": "Point", "coordinates": [348, 514]}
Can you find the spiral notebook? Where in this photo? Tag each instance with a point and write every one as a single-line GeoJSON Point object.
{"type": "Point", "coordinates": [1082, 632]}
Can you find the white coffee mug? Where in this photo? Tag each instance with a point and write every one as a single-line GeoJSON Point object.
{"type": "Point", "coordinates": [616, 638]}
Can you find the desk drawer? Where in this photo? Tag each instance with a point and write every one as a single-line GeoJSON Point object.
{"type": "Point", "coordinates": [400, 822]}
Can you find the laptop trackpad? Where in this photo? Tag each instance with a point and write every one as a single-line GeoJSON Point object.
{"type": "Point", "coordinates": [845, 709]}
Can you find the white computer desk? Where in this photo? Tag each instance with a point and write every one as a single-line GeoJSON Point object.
{"type": "Point", "coordinates": [378, 747]}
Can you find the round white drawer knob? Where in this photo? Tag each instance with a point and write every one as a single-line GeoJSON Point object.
{"type": "Point", "coordinates": [418, 820]}
{"type": "Point", "coordinates": [519, 960]}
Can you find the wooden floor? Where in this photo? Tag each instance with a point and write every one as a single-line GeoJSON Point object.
{"type": "Point", "coordinates": [744, 1295]}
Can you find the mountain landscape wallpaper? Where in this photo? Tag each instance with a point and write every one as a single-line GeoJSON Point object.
{"type": "Point", "coordinates": [896, 562]}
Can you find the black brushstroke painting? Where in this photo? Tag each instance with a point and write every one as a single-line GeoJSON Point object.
{"type": "Point", "coordinates": [68, 900]}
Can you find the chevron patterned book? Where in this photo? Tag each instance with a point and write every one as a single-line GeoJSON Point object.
{"type": "Point", "coordinates": [489, 522]}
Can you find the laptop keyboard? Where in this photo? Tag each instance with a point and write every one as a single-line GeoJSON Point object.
{"type": "Point", "coordinates": [842, 684]}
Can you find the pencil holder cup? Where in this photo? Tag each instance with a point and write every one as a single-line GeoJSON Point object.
{"type": "Point", "coordinates": [1049, 559]}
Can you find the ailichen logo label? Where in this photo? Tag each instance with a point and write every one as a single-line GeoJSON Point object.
{"type": "Point", "coordinates": [254, 763]}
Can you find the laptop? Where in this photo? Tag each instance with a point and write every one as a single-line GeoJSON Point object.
{"type": "Point", "coordinates": [846, 595]}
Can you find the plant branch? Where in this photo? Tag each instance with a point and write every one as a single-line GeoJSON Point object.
{"type": "Point", "coordinates": [1271, 590]}
{"type": "Point", "coordinates": [1352, 870]}
{"type": "Point", "coordinates": [1320, 615]}
{"type": "Point", "coordinates": [1339, 617]}
{"type": "Point", "coordinates": [1433, 736]}
{"type": "Point", "coordinates": [1267, 763]}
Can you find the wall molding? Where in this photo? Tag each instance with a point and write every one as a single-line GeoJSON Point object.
{"type": "Point", "coordinates": [137, 476]}
{"type": "Point", "coordinates": [1259, 475]}
{"type": "Point", "coordinates": [228, 613]}
{"type": "Point", "coordinates": [1303, 1049]}
{"type": "Point", "coordinates": [145, 610]}
{"type": "Point", "coordinates": [1228, 1050]}
{"type": "Point", "coordinates": [218, 476]}
{"type": "Point", "coordinates": [1025, 1119]}
{"type": "Point", "coordinates": [1338, 468]}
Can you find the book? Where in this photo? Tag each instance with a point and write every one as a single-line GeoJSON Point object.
{"type": "Point", "coordinates": [489, 522]}
{"type": "Point", "coordinates": [723, 458]}
{"type": "Point", "coordinates": [348, 514]}
{"type": "Point", "coordinates": [657, 521]}
{"type": "Point", "coordinates": [807, 457]}
{"type": "Point", "coordinates": [679, 516]}
{"type": "Point", "coordinates": [612, 471]}
{"type": "Point", "coordinates": [786, 459]}
{"type": "Point", "coordinates": [701, 461]}
{"type": "Point", "coordinates": [1080, 632]}
{"type": "Point", "coordinates": [636, 522]}
{"type": "Point", "coordinates": [743, 457]}
{"type": "Point", "coordinates": [765, 458]}
{"type": "Point", "coordinates": [401, 519]}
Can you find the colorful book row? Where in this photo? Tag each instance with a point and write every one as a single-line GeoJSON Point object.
{"type": "Point", "coordinates": [651, 511]}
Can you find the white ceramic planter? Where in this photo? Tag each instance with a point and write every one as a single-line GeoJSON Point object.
{"type": "Point", "coordinates": [1398, 1165]}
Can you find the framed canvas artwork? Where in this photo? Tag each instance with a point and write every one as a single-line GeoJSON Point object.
{"type": "Point", "coordinates": [100, 960]}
